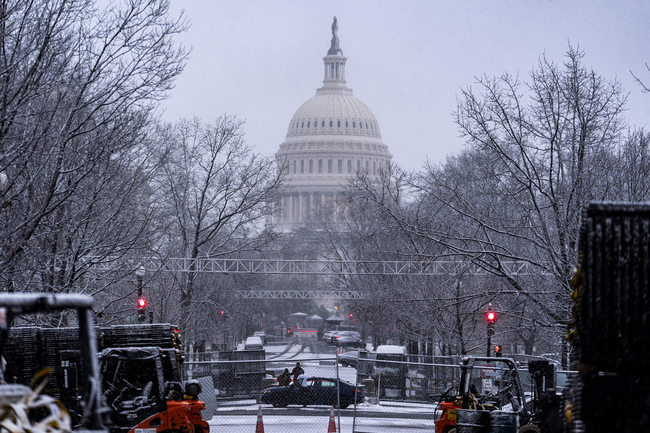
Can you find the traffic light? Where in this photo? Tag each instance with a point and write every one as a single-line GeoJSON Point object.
{"type": "Point", "coordinates": [142, 305]}
{"type": "Point", "coordinates": [498, 351]}
{"type": "Point", "coordinates": [490, 317]}
{"type": "Point", "coordinates": [222, 313]}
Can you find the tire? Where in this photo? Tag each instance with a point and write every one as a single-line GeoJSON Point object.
{"type": "Point", "coordinates": [279, 401]}
{"type": "Point", "coordinates": [345, 364]}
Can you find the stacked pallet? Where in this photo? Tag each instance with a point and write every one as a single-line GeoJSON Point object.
{"type": "Point", "coordinates": [612, 318]}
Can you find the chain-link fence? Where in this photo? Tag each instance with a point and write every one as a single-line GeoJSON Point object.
{"type": "Point", "coordinates": [367, 394]}
{"type": "Point", "coordinates": [370, 392]}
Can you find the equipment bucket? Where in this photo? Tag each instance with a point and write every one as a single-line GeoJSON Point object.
{"type": "Point", "coordinates": [503, 422]}
{"type": "Point", "coordinates": [472, 421]}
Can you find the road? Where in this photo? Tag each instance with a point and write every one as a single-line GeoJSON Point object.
{"type": "Point", "coordinates": [386, 418]}
{"type": "Point", "coordinates": [287, 424]}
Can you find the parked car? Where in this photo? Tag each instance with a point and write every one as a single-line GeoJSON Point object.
{"type": "Point", "coordinates": [347, 338]}
{"type": "Point", "coordinates": [260, 334]}
{"type": "Point", "coordinates": [327, 335]}
{"type": "Point", "coordinates": [349, 359]}
{"type": "Point", "coordinates": [322, 391]}
{"type": "Point", "coordinates": [253, 343]}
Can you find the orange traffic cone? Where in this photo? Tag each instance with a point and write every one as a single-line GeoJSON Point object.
{"type": "Point", "coordinates": [331, 428]}
{"type": "Point", "coordinates": [259, 428]}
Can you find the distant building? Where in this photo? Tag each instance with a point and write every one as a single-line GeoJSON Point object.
{"type": "Point", "coordinates": [330, 137]}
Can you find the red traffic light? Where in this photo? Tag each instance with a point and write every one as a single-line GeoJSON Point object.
{"type": "Point", "coordinates": [497, 350]}
{"type": "Point", "coordinates": [350, 315]}
{"type": "Point", "coordinates": [490, 316]}
{"type": "Point", "coordinates": [142, 303]}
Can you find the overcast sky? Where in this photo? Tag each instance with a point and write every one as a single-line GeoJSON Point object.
{"type": "Point", "coordinates": [407, 60]}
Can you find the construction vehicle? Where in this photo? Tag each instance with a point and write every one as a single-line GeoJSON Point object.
{"type": "Point", "coordinates": [143, 389]}
{"type": "Point", "coordinates": [142, 381]}
{"type": "Point", "coordinates": [491, 392]}
{"type": "Point", "coordinates": [26, 409]}
{"type": "Point", "coordinates": [139, 369]}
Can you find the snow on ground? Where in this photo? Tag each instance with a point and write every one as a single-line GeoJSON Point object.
{"type": "Point", "coordinates": [275, 421]}
{"type": "Point", "coordinates": [290, 424]}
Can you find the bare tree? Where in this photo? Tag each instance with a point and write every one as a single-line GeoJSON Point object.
{"type": "Point", "coordinates": [537, 153]}
{"type": "Point", "coordinates": [640, 82]}
{"type": "Point", "coordinates": [219, 191]}
{"type": "Point", "coordinates": [402, 308]}
{"type": "Point", "coordinates": [535, 162]}
{"type": "Point", "coordinates": [630, 178]}
{"type": "Point", "coordinates": [78, 91]}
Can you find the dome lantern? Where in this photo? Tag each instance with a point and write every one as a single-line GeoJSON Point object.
{"type": "Point", "coordinates": [334, 67]}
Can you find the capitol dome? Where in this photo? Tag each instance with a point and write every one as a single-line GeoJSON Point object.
{"type": "Point", "coordinates": [334, 114]}
{"type": "Point", "coordinates": [330, 138]}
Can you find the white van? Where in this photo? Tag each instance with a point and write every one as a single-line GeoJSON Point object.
{"type": "Point", "coordinates": [253, 343]}
{"type": "Point", "coordinates": [389, 349]}
{"type": "Point", "coordinates": [392, 372]}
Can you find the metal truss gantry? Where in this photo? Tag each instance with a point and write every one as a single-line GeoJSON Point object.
{"type": "Point", "coordinates": [299, 294]}
{"type": "Point", "coordinates": [335, 268]}
{"type": "Point", "coordinates": [331, 267]}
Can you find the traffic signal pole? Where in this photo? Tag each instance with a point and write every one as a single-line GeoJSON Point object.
{"type": "Point", "coordinates": [141, 302]}
{"type": "Point", "coordinates": [490, 317]}
{"type": "Point", "coordinates": [489, 344]}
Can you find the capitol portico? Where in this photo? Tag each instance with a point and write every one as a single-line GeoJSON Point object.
{"type": "Point", "coordinates": [331, 137]}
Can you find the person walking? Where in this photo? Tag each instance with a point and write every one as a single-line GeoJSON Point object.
{"type": "Point", "coordinates": [284, 379]}
{"type": "Point", "coordinates": [304, 389]}
{"type": "Point", "coordinates": [297, 371]}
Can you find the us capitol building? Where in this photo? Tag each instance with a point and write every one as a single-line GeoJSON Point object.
{"type": "Point", "coordinates": [331, 137]}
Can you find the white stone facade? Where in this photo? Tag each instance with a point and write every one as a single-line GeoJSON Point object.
{"type": "Point", "coordinates": [330, 137]}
